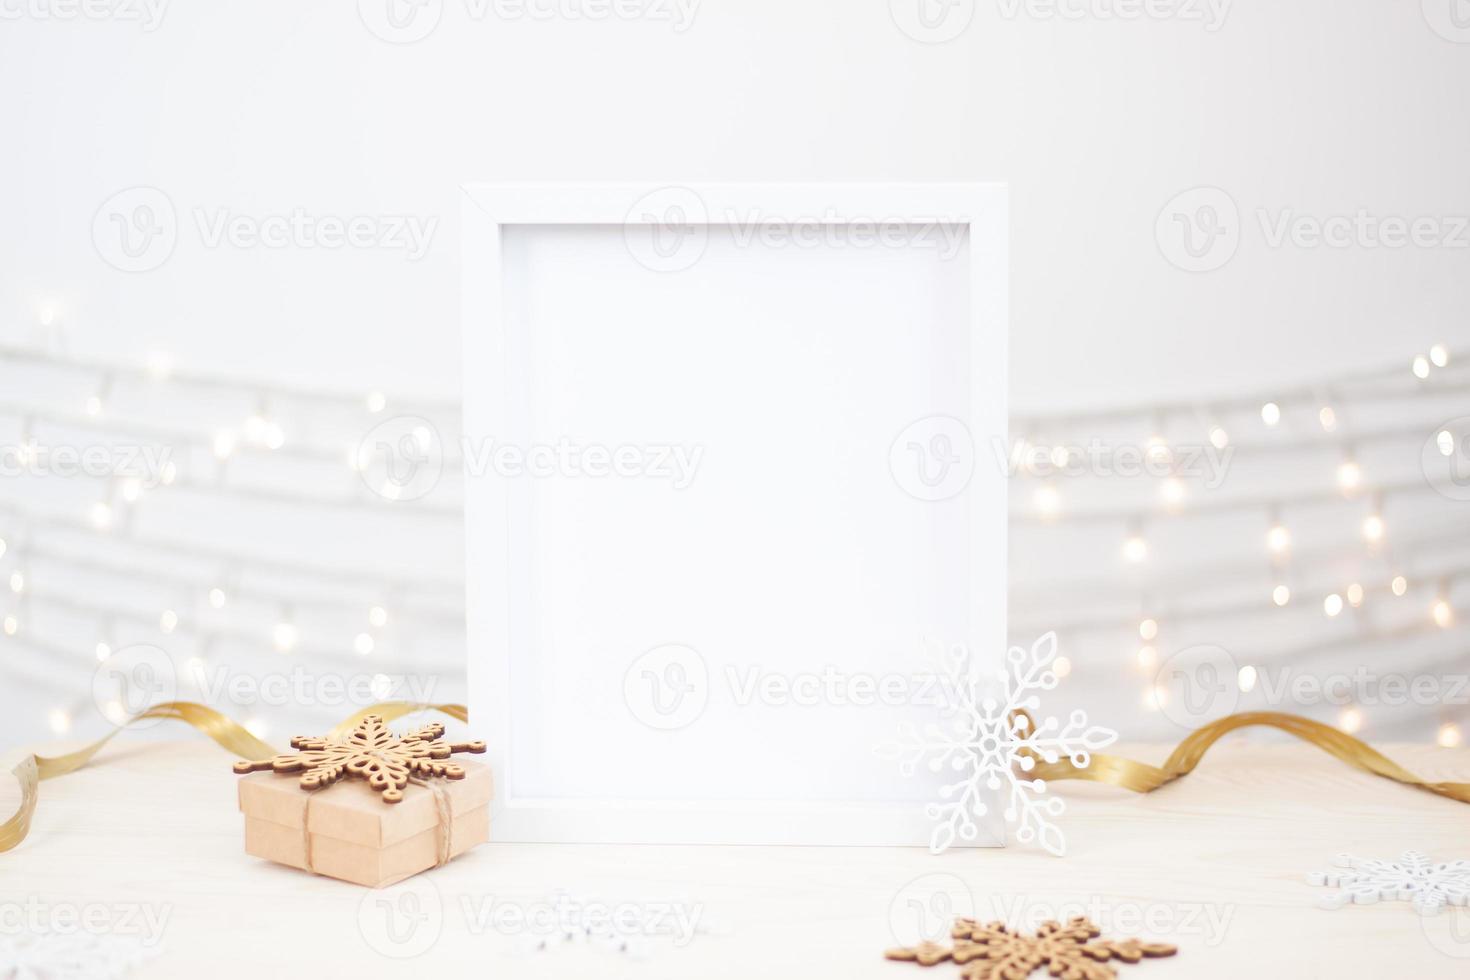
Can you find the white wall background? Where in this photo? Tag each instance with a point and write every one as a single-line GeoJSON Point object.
{"type": "Point", "coordinates": [1097, 122]}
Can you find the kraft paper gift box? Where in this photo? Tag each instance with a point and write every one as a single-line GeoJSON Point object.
{"type": "Point", "coordinates": [346, 831]}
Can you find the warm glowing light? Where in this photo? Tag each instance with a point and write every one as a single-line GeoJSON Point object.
{"type": "Point", "coordinates": [170, 474]}
{"type": "Point", "coordinates": [168, 621]}
{"type": "Point", "coordinates": [17, 582]}
{"type": "Point", "coordinates": [285, 636]}
{"type": "Point", "coordinates": [114, 712]}
{"type": "Point", "coordinates": [58, 720]}
{"type": "Point", "coordinates": [1350, 720]}
{"type": "Point", "coordinates": [1373, 528]}
{"type": "Point", "coordinates": [1400, 585]}
{"type": "Point", "coordinates": [1439, 355]}
{"type": "Point", "coordinates": [1281, 595]}
{"type": "Point", "coordinates": [101, 515]}
{"type": "Point", "coordinates": [256, 727]}
{"type": "Point", "coordinates": [217, 598]}
{"type": "Point", "coordinates": [1219, 438]}
{"type": "Point", "coordinates": [1155, 697]}
{"type": "Point", "coordinates": [1135, 549]}
{"type": "Point", "coordinates": [376, 402]}
{"type": "Point", "coordinates": [1047, 500]}
{"type": "Point", "coordinates": [1060, 456]}
{"type": "Point", "coordinates": [1158, 450]}
{"type": "Point", "coordinates": [1172, 490]}
{"type": "Point", "coordinates": [1245, 679]}
{"type": "Point", "coordinates": [1271, 413]}
{"type": "Point", "coordinates": [1148, 629]}
{"type": "Point", "coordinates": [3, 547]}
{"type": "Point", "coordinates": [1355, 595]}
{"type": "Point", "coordinates": [94, 405]}
{"type": "Point", "coordinates": [1332, 605]}
{"type": "Point", "coordinates": [1328, 417]}
{"type": "Point", "coordinates": [1278, 539]}
{"type": "Point", "coordinates": [1349, 475]}
{"type": "Point", "coordinates": [103, 652]}
{"type": "Point", "coordinates": [1061, 666]}
{"type": "Point", "coordinates": [1148, 657]}
{"type": "Point", "coordinates": [363, 644]}
{"type": "Point", "coordinates": [1449, 736]}
{"type": "Point", "coordinates": [160, 365]}
{"type": "Point", "coordinates": [1443, 613]}
{"type": "Point", "coordinates": [1445, 442]}
{"type": "Point", "coordinates": [1421, 367]}
{"type": "Point", "coordinates": [224, 444]}
{"type": "Point", "coordinates": [12, 626]}
{"type": "Point", "coordinates": [377, 617]}
{"type": "Point", "coordinates": [381, 686]}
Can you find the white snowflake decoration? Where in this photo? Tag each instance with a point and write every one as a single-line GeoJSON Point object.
{"type": "Point", "coordinates": [68, 956]}
{"type": "Point", "coordinates": [993, 744]}
{"type": "Point", "coordinates": [1411, 878]}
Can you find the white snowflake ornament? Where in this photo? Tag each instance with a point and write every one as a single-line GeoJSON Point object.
{"type": "Point", "coordinates": [1412, 878]}
{"type": "Point", "coordinates": [68, 956]}
{"type": "Point", "coordinates": [993, 742]}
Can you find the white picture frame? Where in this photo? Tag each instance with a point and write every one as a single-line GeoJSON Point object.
{"type": "Point", "coordinates": [532, 266]}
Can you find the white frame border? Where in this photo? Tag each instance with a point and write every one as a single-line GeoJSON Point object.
{"type": "Point", "coordinates": [485, 209]}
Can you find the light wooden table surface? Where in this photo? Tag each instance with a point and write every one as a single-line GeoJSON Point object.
{"type": "Point", "coordinates": [1215, 864]}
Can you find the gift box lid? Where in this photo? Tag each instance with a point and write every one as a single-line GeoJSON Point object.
{"type": "Point", "coordinates": [353, 811]}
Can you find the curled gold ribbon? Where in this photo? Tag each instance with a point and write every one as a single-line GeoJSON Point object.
{"type": "Point", "coordinates": [226, 732]}
{"type": "Point", "coordinates": [1143, 778]}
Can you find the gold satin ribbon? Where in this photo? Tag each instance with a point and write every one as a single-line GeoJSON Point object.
{"type": "Point", "coordinates": [225, 731]}
{"type": "Point", "coordinates": [1127, 774]}
{"type": "Point", "coordinates": [1143, 778]}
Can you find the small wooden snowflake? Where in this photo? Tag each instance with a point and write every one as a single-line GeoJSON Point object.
{"type": "Point", "coordinates": [370, 752]}
{"type": "Point", "coordinates": [993, 952]}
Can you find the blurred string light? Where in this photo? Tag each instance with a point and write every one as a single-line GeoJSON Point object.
{"type": "Point", "coordinates": [1449, 736]}
{"type": "Point", "coordinates": [1350, 720]}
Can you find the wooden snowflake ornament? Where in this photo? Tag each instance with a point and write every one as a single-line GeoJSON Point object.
{"type": "Point", "coordinates": [994, 952]}
{"type": "Point", "coordinates": [370, 752]}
